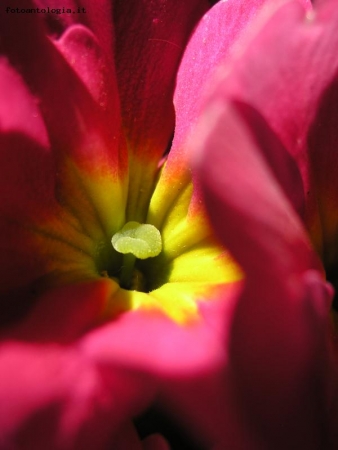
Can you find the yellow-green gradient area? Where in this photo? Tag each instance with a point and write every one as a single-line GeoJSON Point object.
{"type": "Point", "coordinates": [73, 241]}
{"type": "Point", "coordinates": [192, 266]}
{"type": "Point", "coordinates": [74, 244]}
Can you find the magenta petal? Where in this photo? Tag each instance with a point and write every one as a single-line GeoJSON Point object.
{"type": "Point", "coordinates": [47, 136]}
{"type": "Point", "coordinates": [307, 4]}
{"type": "Point", "coordinates": [66, 111]}
{"type": "Point", "coordinates": [62, 314]}
{"type": "Point", "coordinates": [279, 358]}
{"type": "Point", "coordinates": [150, 39]}
{"type": "Point", "coordinates": [26, 175]}
{"type": "Point", "coordinates": [277, 74]}
{"type": "Point", "coordinates": [173, 355]}
{"type": "Point", "coordinates": [94, 15]}
{"type": "Point", "coordinates": [31, 186]}
{"type": "Point", "coordinates": [155, 343]}
{"type": "Point", "coordinates": [209, 46]}
{"type": "Point", "coordinates": [82, 50]}
{"type": "Point", "coordinates": [189, 363]}
{"type": "Point", "coordinates": [203, 404]}
{"type": "Point", "coordinates": [53, 398]}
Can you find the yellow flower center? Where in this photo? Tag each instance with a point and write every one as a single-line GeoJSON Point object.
{"type": "Point", "coordinates": [167, 264]}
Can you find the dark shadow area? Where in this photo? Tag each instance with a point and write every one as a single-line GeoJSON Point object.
{"type": "Point", "coordinates": [323, 154]}
{"type": "Point", "coordinates": [27, 182]}
{"type": "Point", "coordinates": [155, 421]}
{"type": "Point", "coordinates": [39, 428]}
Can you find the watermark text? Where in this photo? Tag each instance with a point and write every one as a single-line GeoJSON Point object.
{"type": "Point", "coordinates": [47, 10]}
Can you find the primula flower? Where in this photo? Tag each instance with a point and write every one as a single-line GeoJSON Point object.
{"type": "Point", "coordinates": [96, 319]}
{"type": "Point", "coordinates": [267, 162]}
{"type": "Point", "coordinates": [92, 336]}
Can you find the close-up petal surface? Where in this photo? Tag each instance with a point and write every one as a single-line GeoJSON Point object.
{"type": "Point", "coordinates": [259, 152]}
{"type": "Point", "coordinates": [168, 224]}
{"type": "Point", "coordinates": [86, 117]}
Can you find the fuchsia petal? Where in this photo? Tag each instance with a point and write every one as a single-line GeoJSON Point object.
{"type": "Point", "coordinates": [176, 207]}
{"type": "Point", "coordinates": [210, 45]}
{"type": "Point", "coordinates": [66, 111]}
{"type": "Point", "coordinates": [148, 341]}
{"type": "Point", "coordinates": [97, 16]}
{"type": "Point", "coordinates": [307, 4]}
{"type": "Point", "coordinates": [187, 361]}
{"type": "Point", "coordinates": [63, 159]}
{"type": "Point", "coordinates": [279, 355]}
{"type": "Point", "coordinates": [149, 45]}
{"type": "Point", "coordinates": [63, 314]}
{"type": "Point", "coordinates": [296, 99]}
{"type": "Point", "coordinates": [85, 398]}
{"type": "Point", "coordinates": [23, 139]}
{"type": "Point", "coordinates": [151, 340]}
{"type": "Point", "coordinates": [149, 40]}
{"type": "Point", "coordinates": [53, 398]}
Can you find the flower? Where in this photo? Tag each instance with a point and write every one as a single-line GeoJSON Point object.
{"type": "Point", "coordinates": [86, 117]}
{"type": "Point", "coordinates": [267, 158]}
{"type": "Point", "coordinates": [90, 338]}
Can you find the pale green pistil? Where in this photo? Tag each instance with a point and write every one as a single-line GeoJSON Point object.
{"type": "Point", "coordinates": [136, 241]}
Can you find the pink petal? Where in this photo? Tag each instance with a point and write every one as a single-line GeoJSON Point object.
{"type": "Point", "coordinates": [70, 110]}
{"type": "Point", "coordinates": [296, 98]}
{"type": "Point", "coordinates": [44, 205]}
{"type": "Point", "coordinates": [177, 358]}
{"type": "Point", "coordinates": [189, 363]}
{"type": "Point", "coordinates": [307, 4]}
{"type": "Point", "coordinates": [150, 40]}
{"type": "Point", "coordinates": [153, 342]}
{"type": "Point", "coordinates": [26, 175]}
{"type": "Point", "coordinates": [280, 358]}
{"type": "Point", "coordinates": [63, 314]}
{"type": "Point", "coordinates": [149, 45]}
{"type": "Point", "coordinates": [209, 46]}
{"type": "Point", "coordinates": [95, 16]}
{"type": "Point", "coordinates": [54, 398]}
{"type": "Point", "coordinates": [173, 355]}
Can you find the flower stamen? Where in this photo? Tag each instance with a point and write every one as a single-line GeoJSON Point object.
{"type": "Point", "coordinates": [135, 241]}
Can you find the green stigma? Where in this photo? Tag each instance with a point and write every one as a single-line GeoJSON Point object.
{"type": "Point", "coordinates": [136, 240]}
